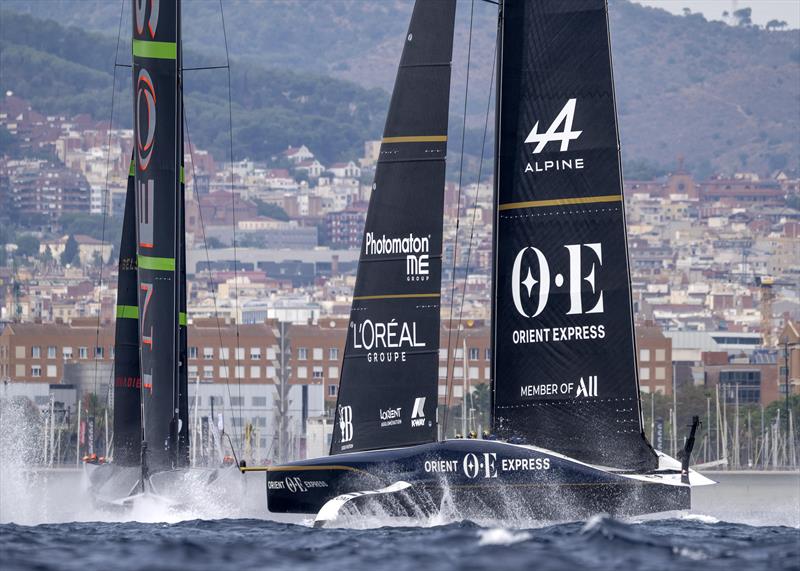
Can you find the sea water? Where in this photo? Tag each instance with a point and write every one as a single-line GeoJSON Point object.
{"type": "Point", "coordinates": [749, 521]}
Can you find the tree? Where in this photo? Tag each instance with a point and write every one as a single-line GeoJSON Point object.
{"type": "Point", "coordinates": [776, 25]}
{"type": "Point", "coordinates": [271, 210]}
{"type": "Point", "coordinates": [213, 243]}
{"type": "Point", "coordinates": [687, 11]}
{"type": "Point", "coordinates": [80, 223]}
{"type": "Point", "coordinates": [642, 169]}
{"type": "Point", "coordinates": [27, 245]}
{"type": "Point", "coordinates": [744, 16]}
{"type": "Point", "coordinates": [47, 257]}
{"type": "Point", "coordinates": [70, 255]}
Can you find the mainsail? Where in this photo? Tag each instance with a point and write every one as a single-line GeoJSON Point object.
{"type": "Point", "coordinates": [157, 136]}
{"type": "Point", "coordinates": [564, 359]}
{"type": "Point", "coordinates": [127, 380]}
{"type": "Point", "coordinates": [388, 388]}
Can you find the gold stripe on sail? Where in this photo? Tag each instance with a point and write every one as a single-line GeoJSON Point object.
{"type": "Point", "coordinates": [561, 202]}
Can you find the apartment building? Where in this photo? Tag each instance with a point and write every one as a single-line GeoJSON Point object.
{"type": "Point", "coordinates": [654, 359]}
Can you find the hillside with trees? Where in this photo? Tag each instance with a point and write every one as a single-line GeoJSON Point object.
{"type": "Point", "coordinates": [724, 97]}
{"type": "Point", "coordinates": [63, 70]}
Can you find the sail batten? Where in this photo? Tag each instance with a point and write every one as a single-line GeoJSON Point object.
{"type": "Point", "coordinates": [388, 389]}
{"type": "Point", "coordinates": [564, 363]}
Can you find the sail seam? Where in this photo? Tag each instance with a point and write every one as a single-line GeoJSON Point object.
{"type": "Point", "coordinates": [561, 202]}
{"type": "Point", "coordinates": [559, 213]}
{"type": "Point", "coordinates": [416, 139]}
{"type": "Point", "coordinates": [413, 65]}
{"type": "Point", "coordinates": [395, 296]}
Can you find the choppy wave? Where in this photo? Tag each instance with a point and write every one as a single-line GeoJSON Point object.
{"type": "Point", "coordinates": [199, 545]}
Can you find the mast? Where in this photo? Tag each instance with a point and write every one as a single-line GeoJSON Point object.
{"type": "Point", "coordinates": [498, 112]}
{"type": "Point", "coordinates": [157, 135]}
{"type": "Point", "coordinates": [127, 380]}
{"type": "Point", "coordinates": [388, 390]}
{"type": "Point", "coordinates": [182, 389]}
{"type": "Point", "coordinates": [564, 356]}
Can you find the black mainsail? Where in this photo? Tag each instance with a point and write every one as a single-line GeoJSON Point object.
{"type": "Point", "coordinates": [388, 388]}
{"type": "Point", "coordinates": [158, 140]}
{"type": "Point", "coordinates": [564, 359]}
{"type": "Point", "coordinates": [127, 380]}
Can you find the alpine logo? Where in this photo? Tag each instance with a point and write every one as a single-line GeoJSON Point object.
{"type": "Point", "coordinates": [565, 116]}
{"type": "Point", "coordinates": [346, 423]}
{"type": "Point", "coordinates": [564, 136]}
{"type": "Point", "coordinates": [418, 413]}
{"type": "Point", "coordinates": [415, 248]}
{"type": "Point", "coordinates": [588, 389]}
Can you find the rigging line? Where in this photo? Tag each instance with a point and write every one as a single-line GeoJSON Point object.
{"type": "Point", "coordinates": [458, 222]}
{"type": "Point", "coordinates": [475, 204]}
{"type": "Point", "coordinates": [233, 204]}
{"type": "Point", "coordinates": [204, 68]}
{"type": "Point", "coordinates": [105, 204]}
{"type": "Point", "coordinates": [208, 260]}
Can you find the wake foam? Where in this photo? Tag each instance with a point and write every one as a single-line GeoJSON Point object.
{"type": "Point", "coordinates": [500, 536]}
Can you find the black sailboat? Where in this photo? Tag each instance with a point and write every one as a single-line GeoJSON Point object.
{"type": "Point", "coordinates": [567, 438]}
{"type": "Point", "coordinates": [151, 428]}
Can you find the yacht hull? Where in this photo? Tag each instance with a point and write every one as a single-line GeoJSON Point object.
{"type": "Point", "coordinates": [116, 487]}
{"type": "Point", "coordinates": [478, 478]}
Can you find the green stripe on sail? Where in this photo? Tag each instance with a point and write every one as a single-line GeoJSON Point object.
{"type": "Point", "coordinates": [153, 263]}
{"type": "Point", "coordinates": [181, 318]}
{"type": "Point", "coordinates": [156, 50]}
{"type": "Point", "coordinates": [132, 170]}
{"type": "Point", "coordinates": [127, 312]}
{"type": "Point", "coordinates": [183, 180]}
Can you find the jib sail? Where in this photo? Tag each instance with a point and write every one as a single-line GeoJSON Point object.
{"type": "Point", "coordinates": [157, 137]}
{"type": "Point", "coordinates": [388, 389]}
{"type": "Point", "coordinates": [127, 381]}
{"type": "Point", "coordinates": [564, 361]}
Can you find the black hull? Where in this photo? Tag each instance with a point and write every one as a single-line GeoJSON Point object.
{"type": "Point", "coordinates": [478, 479]}
{"type": "Point", "coordinates": [114, 487]}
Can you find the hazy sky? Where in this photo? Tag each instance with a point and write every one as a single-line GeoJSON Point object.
{"type": "Point", "coordinates": [763, 10]}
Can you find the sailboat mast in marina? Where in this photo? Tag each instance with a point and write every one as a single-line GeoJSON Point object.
{"type": "Point", "coordinates": [567, 439]}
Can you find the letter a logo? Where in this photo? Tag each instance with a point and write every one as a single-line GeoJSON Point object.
{"type": "Point", "coordinates": [566, 117]}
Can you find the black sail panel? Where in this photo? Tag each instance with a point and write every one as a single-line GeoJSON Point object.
{"type": "Point", "coordinates": [564, 357]}
{"type": "Point", "coordinates": [127, 380]}
{"type": "Point", "coordinates": [156, 136]}
{"type": "Point", "coordinates": [388, 388]}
